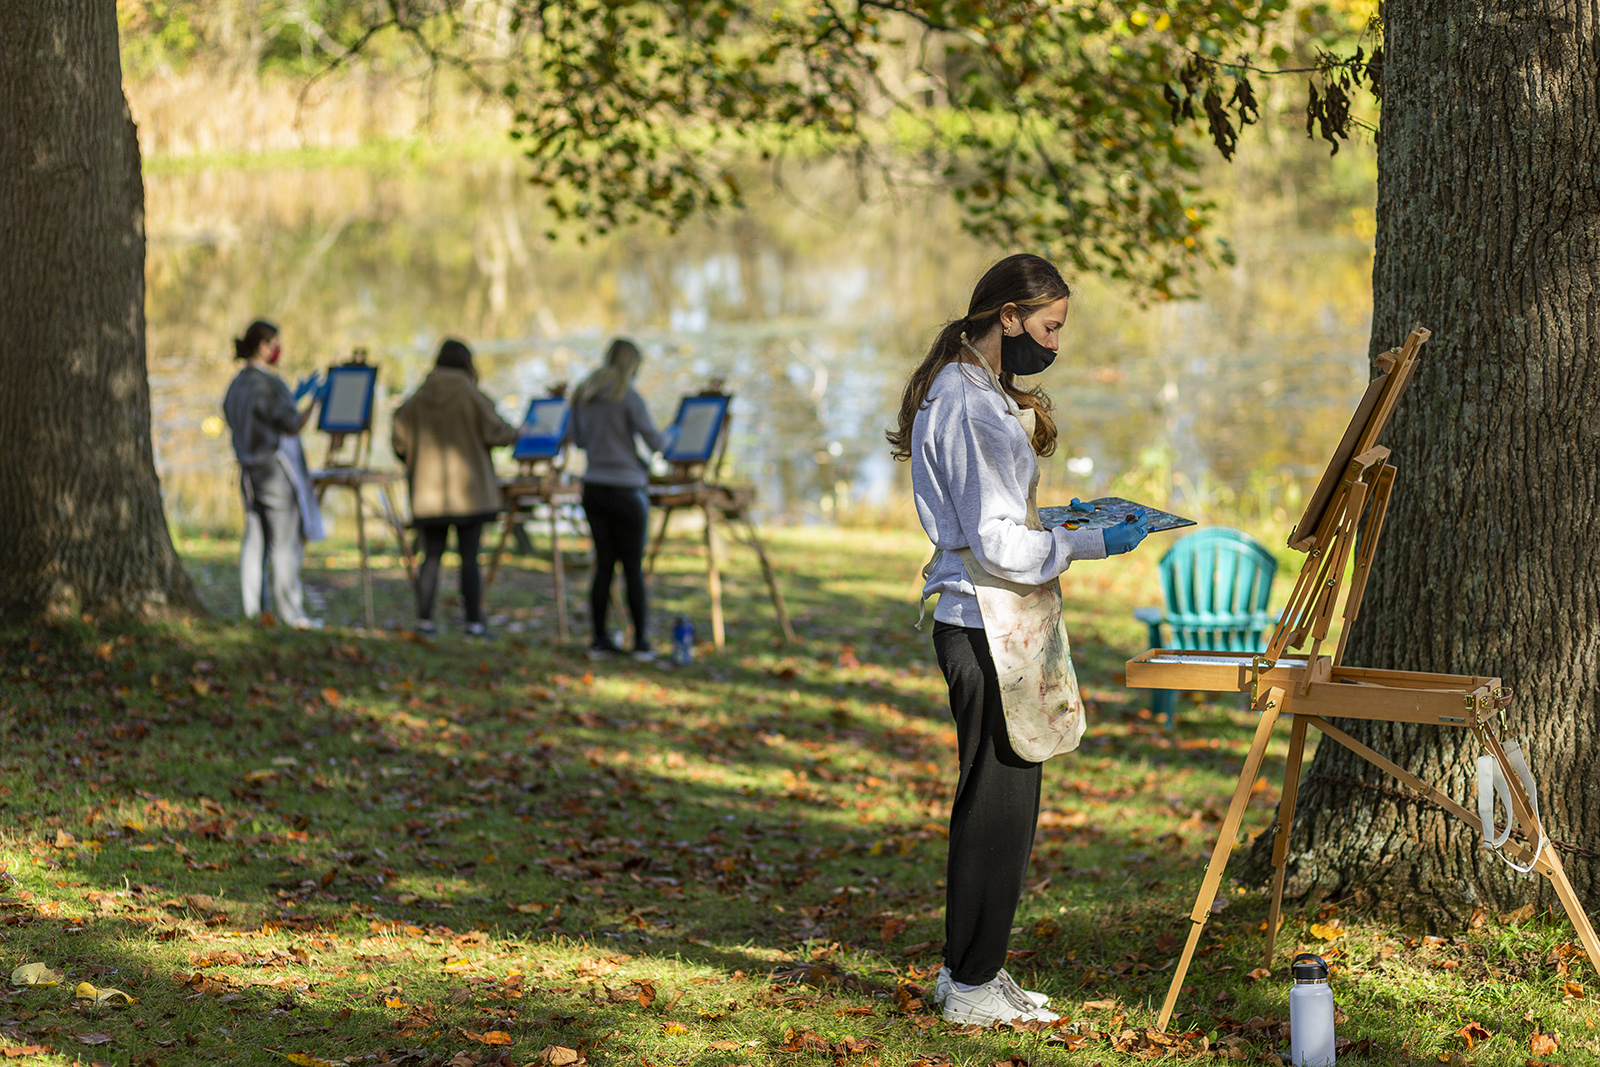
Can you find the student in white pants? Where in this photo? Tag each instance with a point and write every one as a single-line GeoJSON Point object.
{"type": "Point", "coordinates": [264, 419]}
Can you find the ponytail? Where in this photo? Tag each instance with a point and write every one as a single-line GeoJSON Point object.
{"type": "Point", "coordinates": [1024, 281]}
{"type": "Point", "coordinates": [949, 347]}
{"type": "Point", "coordinates": [255, 335]}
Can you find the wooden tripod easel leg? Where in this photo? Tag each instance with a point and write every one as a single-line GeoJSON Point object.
{"type": "Point", "coordinates": [392, 517]}
{"type": "Point", "coordinates": [1549, 861]}
{"type": "Point", "coordinates": [1280, 844]}
{"type": "Point", "coordinates": [1271, 707]}
{"type": "Point", "coordinates": [714, 579]}
{"type": "Point", "coordinates": [366, 569]}
{"type": "Point", "coordinates": [770, 577]}
{"type": "Point", "coordinates": [655, 546]}
{"type": "Point", "coordinates": [1574, 907]}
{"type": "Point", "coordinates": [500, 545]}
{"type": "Point", "coordinates": [559, 574]}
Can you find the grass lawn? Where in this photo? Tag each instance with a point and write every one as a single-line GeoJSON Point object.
{"type": "Point", "coordinates": [360, 848]}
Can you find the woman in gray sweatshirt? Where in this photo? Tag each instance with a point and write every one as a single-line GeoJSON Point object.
{"type": "Point", "coordinates": [607, 416]}
{"type": "Point", "coordinates": [972, 434]}
{"type": "Point", "coordinates": [262, 415]}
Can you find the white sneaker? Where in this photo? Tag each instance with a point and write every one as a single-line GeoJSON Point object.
{"type": "Point", "coordinates": [942, 987]}
{"type": "Point", "coordinates": [1035, 997]}
{"type": "Point", "coordinates": [993, 1002]}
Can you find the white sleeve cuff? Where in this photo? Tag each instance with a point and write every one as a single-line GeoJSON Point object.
{"type": "Point", "coordinates": [1082, 544]}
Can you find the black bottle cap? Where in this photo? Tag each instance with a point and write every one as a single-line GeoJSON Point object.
{"type": "Point", "coordinates": [1307, 967]}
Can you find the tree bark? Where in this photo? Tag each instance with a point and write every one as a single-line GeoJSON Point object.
{"type": "Point", "coordinates": [85, 529]}
{"type": "Point", "coordinates": [1489, 235]}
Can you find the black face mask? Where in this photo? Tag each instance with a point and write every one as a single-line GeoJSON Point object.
{"type": "Point", "coordinates": [1022, 355]}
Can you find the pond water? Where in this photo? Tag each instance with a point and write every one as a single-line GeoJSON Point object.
{"type": "Point", "coordinates": [811, 306]}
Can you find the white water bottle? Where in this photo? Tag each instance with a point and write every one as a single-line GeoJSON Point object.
{"type": "Point", "coordinates": [1310, 1013]}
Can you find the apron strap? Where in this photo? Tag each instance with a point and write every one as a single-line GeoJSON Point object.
{"type": "Point", "coordinates": [922, 605]}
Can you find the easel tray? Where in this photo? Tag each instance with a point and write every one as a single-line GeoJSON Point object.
{"type": "Point", "coordinates": [1192, 670]}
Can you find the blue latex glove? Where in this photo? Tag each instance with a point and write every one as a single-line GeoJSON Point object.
{"type": "Point", "coordinates": [307, 386]}
{"type": "Point", "coordinates": [1125, 536]}
{"type": "Point", "coordinates": [1078, 505]}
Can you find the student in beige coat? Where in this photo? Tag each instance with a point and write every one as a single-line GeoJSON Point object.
{"type": "Point", "coordinates": [443, 434]}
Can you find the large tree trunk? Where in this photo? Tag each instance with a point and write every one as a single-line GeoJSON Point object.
{"type": "Point", "coordinates": [84, 525]}
{"type": "Point", "coordinates": [1489, 235]}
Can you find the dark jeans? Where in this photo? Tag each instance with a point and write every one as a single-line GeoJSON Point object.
{"type": "Point", "coordinates": [435, 536]}
{"type": "Point", "coordinates": [619, 521]}
{"type": "Point", "coordinates": [994, 815]}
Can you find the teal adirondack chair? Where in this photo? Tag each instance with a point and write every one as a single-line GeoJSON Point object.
{"type": "Point", "coordinates": [1216, 584]}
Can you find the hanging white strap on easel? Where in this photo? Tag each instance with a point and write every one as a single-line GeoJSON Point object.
{"type": "Point", "coordinates": [1492, 783]}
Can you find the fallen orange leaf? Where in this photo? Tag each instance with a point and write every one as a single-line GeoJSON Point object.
{"type": "Point", "coordinates": [1543, 1044]}
{"type": "Point", "coordinates": [1474, 1032]}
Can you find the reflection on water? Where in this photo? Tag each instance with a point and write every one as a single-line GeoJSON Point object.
{"type": "Point", "coordinates": [812, 310]}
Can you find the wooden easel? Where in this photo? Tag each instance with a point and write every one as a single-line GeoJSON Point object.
{"type": "Point", "coordinates": [1352, 496]}
{"type": "Point", "coordinates": [686, 485]}
{"type": "Point", "coordinates": [538, 481]}
{"type": "Point", "coordinates": [352, 473]}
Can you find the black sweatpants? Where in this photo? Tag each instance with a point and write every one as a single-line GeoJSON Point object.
{"type": "Point", "coordinates": [619, 522]}
{"type": "Point", "coordinates": [435, 537]}
{"type": "Point", "coordinates": [994, 815]}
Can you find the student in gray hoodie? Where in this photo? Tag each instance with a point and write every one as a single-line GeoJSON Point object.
{"type": "Point", "coordinates": [263, 417]}
{"type": "Point", "coordinates": [608, 415]}
{"type": "Point", "coordinates": [963, 426]}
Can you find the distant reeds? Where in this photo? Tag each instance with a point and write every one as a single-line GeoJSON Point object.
{"type": "Point", "coordinates": [212, 110]}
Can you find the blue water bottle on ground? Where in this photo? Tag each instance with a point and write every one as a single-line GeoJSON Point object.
{"type": "Point", "coordinates": [682, 641]}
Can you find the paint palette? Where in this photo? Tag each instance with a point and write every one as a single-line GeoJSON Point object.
{"type": "Point", "coordinates": [1108, 512]}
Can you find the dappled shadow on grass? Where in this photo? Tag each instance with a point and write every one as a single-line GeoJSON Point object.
{"type": "Point", "coordinates": [329, 784]}
{"type": "Point", "coordinates": [421, 820]}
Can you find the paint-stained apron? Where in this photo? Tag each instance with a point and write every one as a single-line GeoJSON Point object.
{"type": "Point", "coordinates": [1029, 645]}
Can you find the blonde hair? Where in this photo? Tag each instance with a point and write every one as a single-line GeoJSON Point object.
{"type": "Point", "coordinates": [609, 384]}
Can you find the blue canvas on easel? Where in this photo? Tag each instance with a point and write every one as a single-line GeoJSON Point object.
{"type": "Point", "coordinates": [698, 425]}
{"type": "Point", "coordinates": [347, 404]}
{"type": "Point", "coordinates": [544, 428]}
